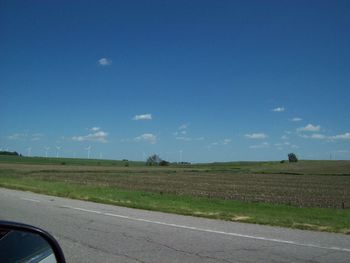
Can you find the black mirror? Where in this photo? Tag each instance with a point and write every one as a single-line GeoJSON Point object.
{"type": "Point", "coordinates": [27, 244]}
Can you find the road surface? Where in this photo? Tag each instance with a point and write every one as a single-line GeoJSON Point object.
{"type": "Point", "coordinates": [90, 232]}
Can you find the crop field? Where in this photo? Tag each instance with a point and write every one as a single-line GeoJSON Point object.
{"type": "Point", "coordinates": [323, 184]}
{"type": "Point", "coordinates": [312, 195]}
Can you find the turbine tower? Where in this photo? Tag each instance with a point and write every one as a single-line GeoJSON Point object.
{"type": "Point", "coordinates": [88, 151]}
{"type": "Point", "coordinates": [58, 148]}
{"type": "Point", "coordinates": [46, 151]}
{"type": "Point", "coordinates": [29, 149]}
{"type": "Point", "coordinates": [180, 156]}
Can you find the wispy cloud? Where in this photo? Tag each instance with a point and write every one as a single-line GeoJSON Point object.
{"type": "Point", "coordinates": [318, 136]}
{"type": "Point", "coordinates": [147, 137]}
{"type": "Point", "coordinates": [282, 144]}
{"type": "Point", "coordinates": [226, 141]}
{"type": "Point", "coordinates": [295, 119]}
{"type": "Point", "coordinates": [284, 137]}
{"type": "Point", "coordinates": [181, 133]}
{"type": "Point", "coordinates": [279, 109]}
{"type": "Point", "coordinates": [256, 136]}
{"type": "Point", "coordinates": [37, 136]}
{"type": "Point", "coordinates": [183, 138]}
{"type": "Point", "coordinates": [105, 61]}
{"type": "Point", "coordinates": [17, 136]}
{"type": "Point", "coordinates": [96, 135]}
{"type": "Point", "coordinates": [221, 142]}
{"type": "Point", "coordinates": [260, 146]}
{"type": "Point", "coordinates": [345, 136]}
{"type": "Point", "coordinates": [142, 117]}
{"type": "Point", "coordinates": [309, 128]}
{"type": "Point", "coordinates": [183, 126]}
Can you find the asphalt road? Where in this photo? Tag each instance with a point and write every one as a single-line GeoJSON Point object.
{"type": "Point", "coordinates": [90, 232]}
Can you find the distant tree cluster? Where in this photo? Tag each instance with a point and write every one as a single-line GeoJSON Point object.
{"type": "Point", "coordinates": [155, 160]}
{"type": "Point", "coordinates": [10, 153]}
{"type": "Point", "coordinates": [292, 158]}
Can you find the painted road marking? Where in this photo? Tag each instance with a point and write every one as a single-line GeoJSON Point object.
{"type": "Point", "coordinates": [31, 200]}
{"type": "Point", "coordinates": [210, 231]}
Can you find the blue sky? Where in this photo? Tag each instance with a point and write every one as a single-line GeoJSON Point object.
{"type": "Point", "coordinates": [196, 81]}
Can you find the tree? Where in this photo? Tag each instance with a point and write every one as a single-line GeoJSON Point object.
{"type": "Point", "coordinates": [163, 163]}
{"type": "Point", "coordinates": [292, 158]}
{"type": "Point", "coordinates": [153, 160]}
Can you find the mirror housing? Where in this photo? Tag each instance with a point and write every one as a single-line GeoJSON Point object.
{"type": "Point", "coordinates": [13, 237]}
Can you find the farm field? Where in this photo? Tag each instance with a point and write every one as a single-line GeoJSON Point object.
{"type": "Point", "coordinates": [215, 188]}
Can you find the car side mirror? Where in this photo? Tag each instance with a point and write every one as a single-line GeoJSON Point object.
{"type": "Point", "coordinates": [29, 244]}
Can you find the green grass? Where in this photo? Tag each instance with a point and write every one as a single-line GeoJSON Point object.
{"type": "Point", "coordinates": [267, 193]}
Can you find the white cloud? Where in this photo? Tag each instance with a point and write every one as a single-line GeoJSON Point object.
{"type": "Point", "coordinates": [222, 142]}
{"type": "Point", "coordinates": [278, 109]}
{"type": "Point", "coordinates": [226, 141]}
{"type": "Point", "coordinates": [96, 135]}
{"type": "Point", "coordinates": [104, 61]}
{"type": "Point", "coordinates": [296, 119]}
{"type": "Point", "coordinates": [282, 144]}
{"type": "Point", "coordinates": [318, 136]}
{"type": "Point", "coordinates": [309, 128]}
{"type": "Point", "coordinates": [17, 136]}
{"type": "Point", "coordinates": [183, 126]}
{"type": "Point", "coordinates": [147, 116]}
{"type": "Point", "coordinates": [259, 146]}
{"type": "Point", "coordinates": [95, 129]}
{"type": "Point", "coordinates": [256, 136]}
{"type": "Point", "coordinates": [284, 137]}
{"type": "Point", "coordinates": [181, 133]}
{"type": "Point", "coordinates": [183, 138]}
{"type": "Point", "coordinates": [345, 136]}
{"type": "Point", "coordinates": [148, 137]}
{"type": "Point", "coordinates": [199, 138]}
{"type": "Point", "coordinates": [37, 137]}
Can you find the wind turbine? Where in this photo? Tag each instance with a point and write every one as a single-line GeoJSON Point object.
{"type": "Point", "coordinates": [29, 151]}
{"type": "Point", "coordinates": [46, 151]}
{"type": "Point", "coordinates": [58, 150]}
{"type": "Point", "coordinates": [88, 151]}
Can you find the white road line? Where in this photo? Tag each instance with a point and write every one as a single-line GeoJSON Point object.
{"type": "Point", "coordinates": [211, 231]}
{"type": "Point", "coordinates": [31, 200]}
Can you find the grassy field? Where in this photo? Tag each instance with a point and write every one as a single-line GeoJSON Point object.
{"type": "Point", "coordinates": [306, 195]}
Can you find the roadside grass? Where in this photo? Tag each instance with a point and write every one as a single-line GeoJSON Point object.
{"type": "Point", "coordinates": [319, 219]}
